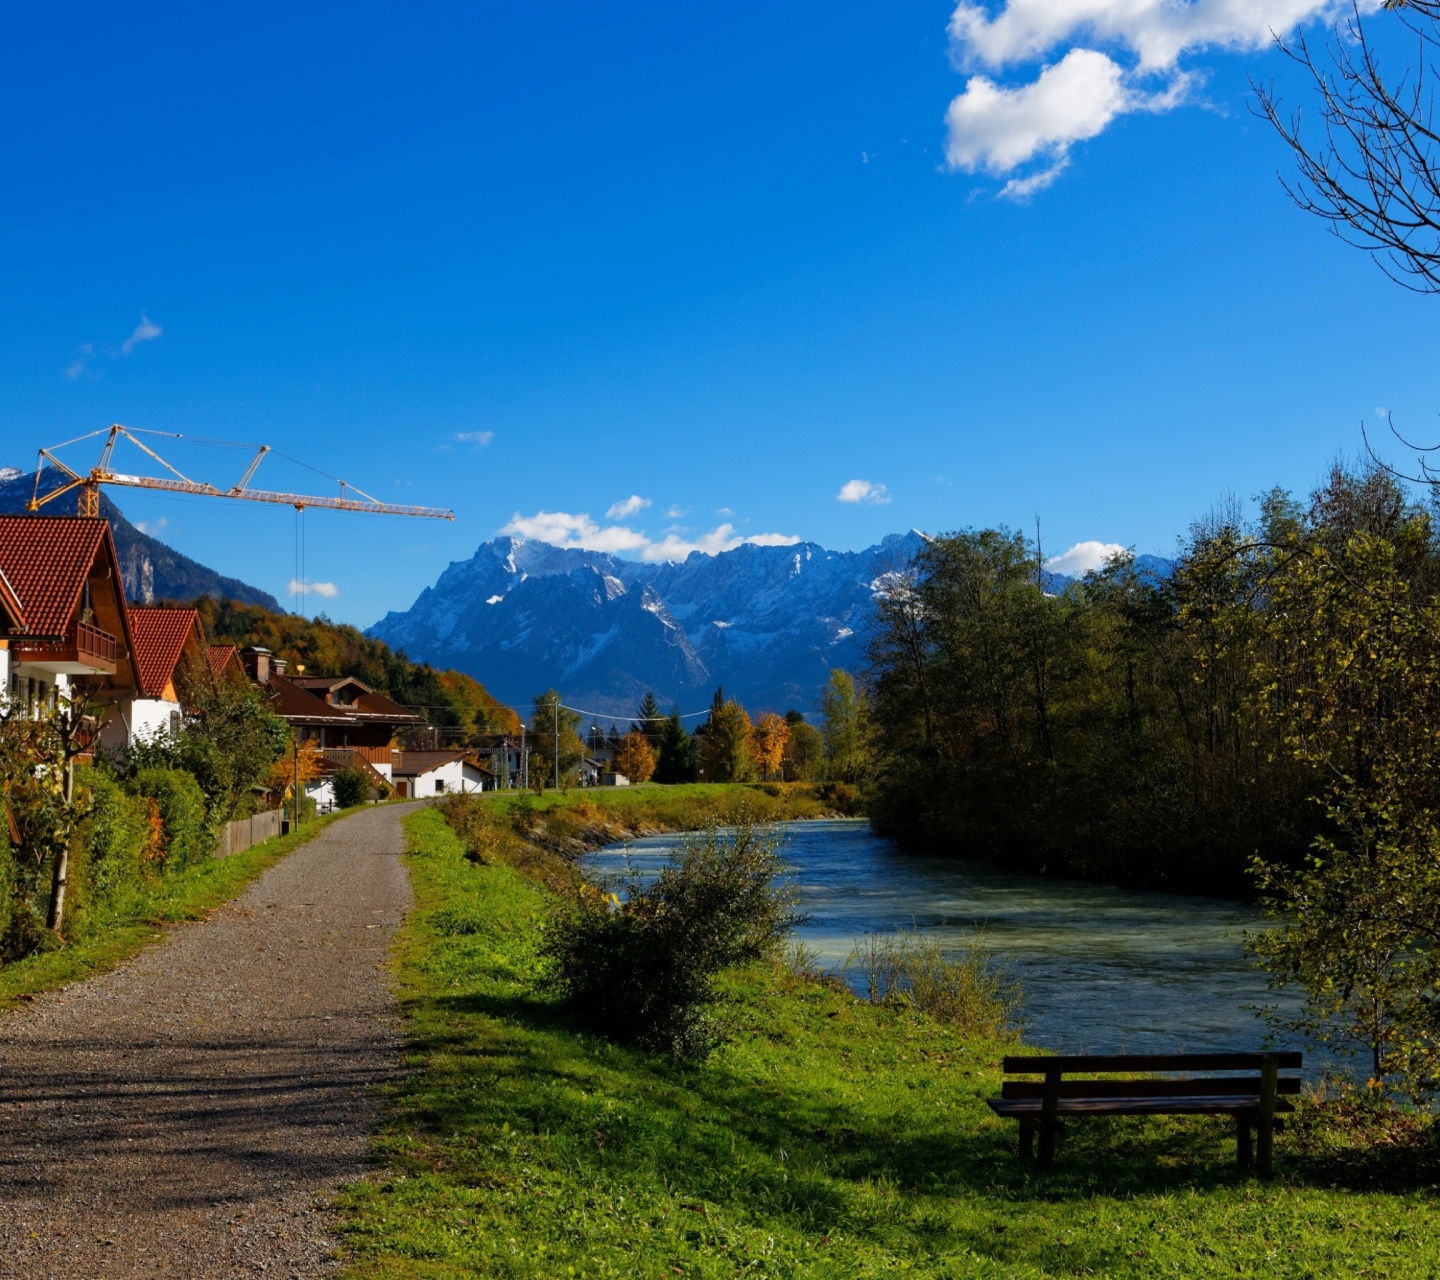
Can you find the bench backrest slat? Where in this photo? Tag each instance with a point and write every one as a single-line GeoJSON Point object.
{"type": "Point", "coordinates": [1205, 1087]}
{"type": "Point", "coordinates": [1069, 1065]}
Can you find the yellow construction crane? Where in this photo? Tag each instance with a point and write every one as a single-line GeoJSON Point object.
{"type": "Point", "coordinates": [89, 483]}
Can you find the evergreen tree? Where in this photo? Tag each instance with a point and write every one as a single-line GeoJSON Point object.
{"type": "Point", "coordinates": [649, 722]}
{"type": "Point", "coordinates": [676, 761]}
{"type": "Point", "coordinates": [547, 715]}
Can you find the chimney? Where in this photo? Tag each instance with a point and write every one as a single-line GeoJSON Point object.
{"type": "Point", "coordinates": [257, 663]}
{"type": "Point", "coordinates": [280, 666]}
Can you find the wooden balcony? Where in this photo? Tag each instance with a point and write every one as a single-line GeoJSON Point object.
{"type": "Point", "coordinates": [85, 651]}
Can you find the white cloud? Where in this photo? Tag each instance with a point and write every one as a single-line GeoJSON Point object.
{"type": "Point", "coordinates": [146, 331]}
{"type": "Point", "coordinates": [676, 512]}
{"type": "Point", "coordinates": [1156, 32]}
{"type": "Point", "coordinates": [328, 590]}
{"type": "Point", "coordinates": [722, 538]}
{"type": "Point", "coordinates": [478, 438]}
{"type": "Point", "coordinates": [1121, 56]}
{"type": "Point", "coordinates": [997, 130]}
{"type": "Point", "coordinates": [863, 491]}
{"type": "Point", "coordinates": [561, 529]}
{"type": "Point", "coordinates": [152, 526]}
{"type": "Point", "coordinates": [1084, 557]}
{"type": "Point", "coordinates": [629, 507]}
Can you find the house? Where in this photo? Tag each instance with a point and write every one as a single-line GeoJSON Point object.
{"type": "Point", "coordinates": [332, 712]}
{"type": "Point", "coordinates": [434, 773]}
{"type": "Point", "coordinates": [67, 625]}
{"type": "Point", "coordinates": [168, 644]}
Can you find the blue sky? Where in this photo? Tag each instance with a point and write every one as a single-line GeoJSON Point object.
{"type": "Point", "coordinates": [521, 259]}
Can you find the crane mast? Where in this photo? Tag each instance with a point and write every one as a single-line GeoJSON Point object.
{"type": "Point", "coordinates": [89, 483]}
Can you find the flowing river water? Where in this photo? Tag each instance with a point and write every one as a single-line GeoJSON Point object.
{"type": "Point", "coordinates": [1102, 969]}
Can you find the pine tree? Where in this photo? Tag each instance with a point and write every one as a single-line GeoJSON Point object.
{"type": "Point", "coordinates": [648, 721]}
{"type": "Point", "coordinates": [676, 755]}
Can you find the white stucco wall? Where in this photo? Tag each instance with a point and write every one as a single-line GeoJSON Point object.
{"type": "Point", "coordinates": [137, 719]}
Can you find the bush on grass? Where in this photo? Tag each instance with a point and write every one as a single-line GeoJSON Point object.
{"type": "Point", "coordinates": [969, 991]}
{"type": "Point", "coordinates": [179, 804]}
{"type": "Point", "coordinates": [641, 967]}
{"type": "Point", "coordinates": [351, 787]}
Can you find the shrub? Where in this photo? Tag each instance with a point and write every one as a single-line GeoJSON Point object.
{"type": "Point", "coordinates": [351, 788]}
{"type": "Point", "coordinates": [108, 859]}
{"type": "Point", "coordinates": [180, 804]}
{"type": "Point", "coordinates": [642, 969]}
{"type": "Point", "coordinates": [969, 991]}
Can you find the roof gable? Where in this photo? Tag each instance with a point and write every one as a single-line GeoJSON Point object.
{"type": "Point", "coordinates": [46, 560]}
{"type": "Point", "coordinates": [160, 638]}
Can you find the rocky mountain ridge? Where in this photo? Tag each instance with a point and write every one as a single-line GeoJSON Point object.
{"type": "Point", "coordinates": [767, 623]}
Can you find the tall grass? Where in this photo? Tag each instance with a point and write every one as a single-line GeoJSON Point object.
{"type": "Point", "coordinates": [969, 990]}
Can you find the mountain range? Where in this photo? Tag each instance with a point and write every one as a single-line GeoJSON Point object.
{"type": "Point", "coordinates": [149, 569]}
{"type": "Point", "coordinates": [766, 623]}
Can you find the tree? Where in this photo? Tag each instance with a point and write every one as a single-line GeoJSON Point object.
{"type": "Point", "coordinates": [676, 758]}
{"type": "Point", "coordinates": [635, 760]}
{"type": "Point", "coordinates": [650, 721]}
{"type": "Point", "coordinates": [1352, 673]}
{"type": "Point", "coordinates": [767, 743]}
{"type": "Point", "coordinates": [545, 751]}
{"type": "Point", "coordinates": [804, 756]}
{"type": "Point", "coordinates": [847, 727]}
{"type": "Point", "coordinates": [1375, 174]}
{"type": "Point", "coordinates": [351, 788]}
{"type": "Point", "coordinates": [724, 753]}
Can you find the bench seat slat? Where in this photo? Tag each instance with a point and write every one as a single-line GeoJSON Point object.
{"type": "Point", "coordinates": [1150, 1062]}
{"type": "Point", "coordinates": [1225, 1104]}
{"type": "Point", "coordinates": [1205, 1086]}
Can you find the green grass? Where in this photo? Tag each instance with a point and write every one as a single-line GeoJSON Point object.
{"type": "Point", "coordinates": [829, 1138]}
{"type": "Point", "coordinates": [137, 921]}
{"type": "Point", "coordinates": [679, 807]}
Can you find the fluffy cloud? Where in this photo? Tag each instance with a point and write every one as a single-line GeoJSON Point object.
{"type": "Point", "coordinates": [997, 129]}
{"type": "Point", "coordinates": [629, 507]}
{"type": "Point", "coordinates": [327, 590]}
{"type": "Point", "coordinates": [674, 546]}
{"type": "Point", "coordinates": [578, 532]}
{"type": "Point", "coordinates": [478, 439]}
{"type": "Point", "coordinates": [1157, 32]}
{"type": "Point", "coordinates": [152, 526]}
{"type": "Point", "coordinates": [863, 491]}
{"type": "Point", "coordinates": [560, 529]}
{"type": "Point", "coordinates": [1084, 557]}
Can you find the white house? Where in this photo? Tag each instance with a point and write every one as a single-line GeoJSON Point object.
{"type": "Point", "coordinates": [437, 773]}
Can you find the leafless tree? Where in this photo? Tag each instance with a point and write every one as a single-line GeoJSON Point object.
{"type": "Point", "coordinates": [1373, 169]}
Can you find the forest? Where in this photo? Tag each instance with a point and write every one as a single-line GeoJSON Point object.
{"type": "Point", "coordinates": [1165, 730]}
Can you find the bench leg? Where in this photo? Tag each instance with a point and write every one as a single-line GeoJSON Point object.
{"type": "Point", "coordinates": [1027, 1140]}
{"type": "Point", "coordinates": [1265, 1147]}
{"type": "Point", "coordinates": [1047, 1145]}
{"type": "Point", "coordinates": [1244, 1154]}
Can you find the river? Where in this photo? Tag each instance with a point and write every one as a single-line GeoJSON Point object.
{"type": "Point", "coordinates": [1102, 969]}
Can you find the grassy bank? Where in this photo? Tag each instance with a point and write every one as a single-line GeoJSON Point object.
{"type": "Point", "coordinates": [829, 1138]}
{"type": "Point", "coordinates": [138, 919]}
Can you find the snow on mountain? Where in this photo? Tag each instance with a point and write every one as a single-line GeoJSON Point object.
{"type": "Point", "coordinates": [768, 623]}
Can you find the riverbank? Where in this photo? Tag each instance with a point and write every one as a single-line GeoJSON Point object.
{"type": "Point", "coordinates": [828, 1138]}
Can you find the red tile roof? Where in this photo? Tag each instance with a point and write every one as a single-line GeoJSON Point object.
{"type": "Point", "coordinates": [221, 656]}
{"type": "Point", "coordinates": [46, 560]}
{"type": "Point", "coordinates": [160, 636]}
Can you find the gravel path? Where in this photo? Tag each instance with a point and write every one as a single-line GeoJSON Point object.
{"type": "Point", "coordinates": [187, 1114]}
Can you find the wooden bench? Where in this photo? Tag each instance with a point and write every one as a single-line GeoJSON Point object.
{"type": "Point", "coordinates": [1254, 1100]}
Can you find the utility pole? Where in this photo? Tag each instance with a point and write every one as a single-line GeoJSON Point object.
{"type": "Point", "coordinates": [557, 742]}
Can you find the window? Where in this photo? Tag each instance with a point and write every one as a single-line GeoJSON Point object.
{"type": "Point", "coordinates": [439, 784]}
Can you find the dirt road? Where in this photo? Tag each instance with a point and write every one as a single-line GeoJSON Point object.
{"type": "Point", "coordinates": [187, 1114]}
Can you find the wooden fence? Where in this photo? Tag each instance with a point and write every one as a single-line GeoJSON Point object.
{"type": "Point", "coordinates": [243, 832]}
